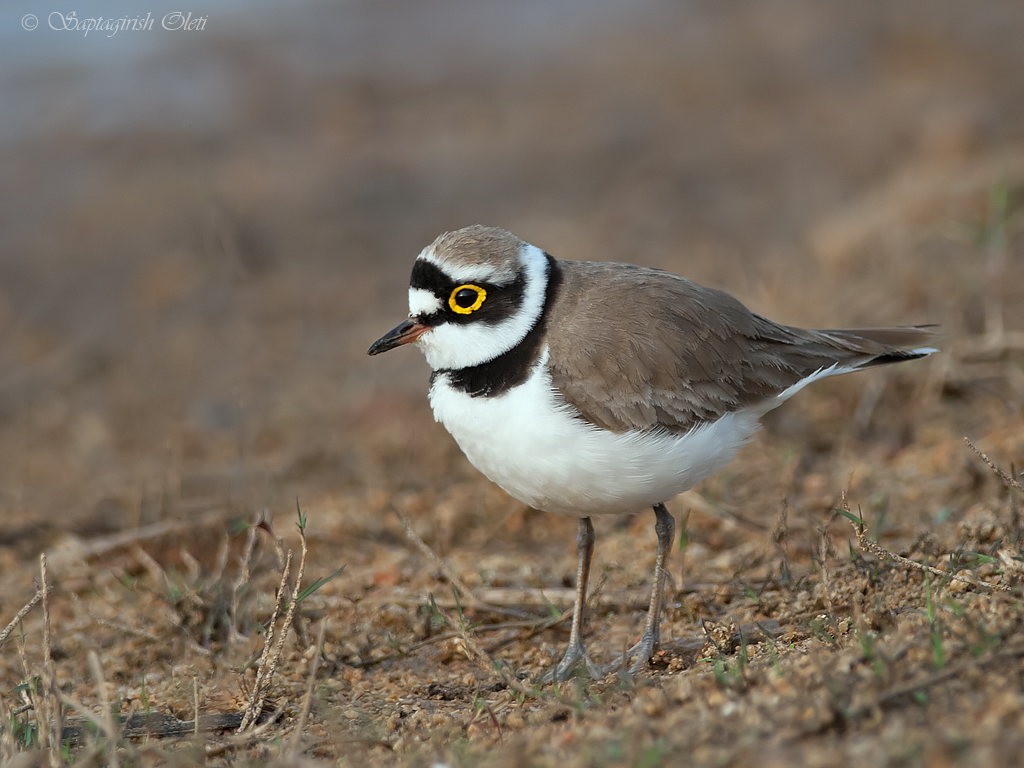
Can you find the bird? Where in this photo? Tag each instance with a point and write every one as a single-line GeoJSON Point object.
{"type": "Point", "coordinates": [595, 388]}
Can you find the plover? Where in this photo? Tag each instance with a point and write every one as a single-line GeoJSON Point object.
{"type": "Point", "coordinates": [588, 388]}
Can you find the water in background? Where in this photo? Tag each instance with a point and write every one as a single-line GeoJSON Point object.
{"type": "Point", "coordinates": [103, 81]}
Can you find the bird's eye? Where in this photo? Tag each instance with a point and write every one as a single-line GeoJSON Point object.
{"type": "Point", "coordinates": [467, 299]}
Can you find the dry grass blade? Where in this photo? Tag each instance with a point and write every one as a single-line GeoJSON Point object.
{"type": "Point", "coordinates": [118, 626]}
{"type": "Point", "coordinates": [275, 658]}
{"type": "Point", "coordinates": [8, 743]}
{"type": "Point", "coordinates": [534, 627]}
{"type": "Point", "coordinates": [914, 686]}
{"type": "Point", "coordinates": [255, 700]}
{"type": "Point", "coordinates": [85, 712]}
{"type": "Point", "coordinates": [780, 536]}
{"type": "Point", "coordinates": [269, 663]}
{"type": "Point", "coordinates": [243, 577]}
{"type": "Point", "coordinates": [51, 719]}
{"type": "Point", "coordinates": [307, 701]}
{"type": "Point", "coordinates": [20, 615]}
{"type": "Point", "coordinates": [446, 569]}
{"type": "Point", "coordinates": [952, 671]}
{"type": "Point", "coordinates": [47, 654]}
{"type": "Point", "coordinates": [495, 598]}
{"type": "Point", "coordinates": [474, 651]}
{"type": "Point", "coordinates": [882, 553]}
{"type": "Point", "coordinates": [30, 691]}
{"type": "Point", "coordinates": [827, 551]}
{"type": "Point", "coordinates": [106, 713]}
{"type": "Point", "coordinates": [195, 704]}
{"type": "Point", "coordinates": [478, 654]}
{"type": "Point", "coordinates": [159, 574]}
{"type": "Point", "coordinates": [1010, 482]}
{"type": "Point", "coordinates": [223, 551]}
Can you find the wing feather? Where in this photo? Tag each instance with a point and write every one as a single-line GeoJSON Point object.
{"type": "Point", "coordinates": [679, 354]}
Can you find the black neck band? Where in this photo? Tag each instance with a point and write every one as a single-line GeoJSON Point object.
{"type": "Point", "coordinates": [512, 368]}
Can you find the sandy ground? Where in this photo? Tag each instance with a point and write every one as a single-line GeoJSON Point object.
{"type": "Point", "coordinates": [184, 315]}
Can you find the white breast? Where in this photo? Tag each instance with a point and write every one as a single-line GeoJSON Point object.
{"type": "Point", "coordinates": [530, 443]}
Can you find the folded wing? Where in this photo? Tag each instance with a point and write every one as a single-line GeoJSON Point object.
{"type": "Point", "coordinates": [680, 354]}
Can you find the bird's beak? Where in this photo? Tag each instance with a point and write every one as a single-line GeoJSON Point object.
{"type": "Point", "coordinates": [404, 333]}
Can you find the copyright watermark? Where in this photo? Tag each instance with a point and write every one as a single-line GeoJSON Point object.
{"type": "Point", "coordinates": [175, 21]}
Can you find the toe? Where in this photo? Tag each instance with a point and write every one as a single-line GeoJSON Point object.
{"type": "Point", "coordinates": [644, 650]}
{"type": "Point", "coordinates": [575, 655]}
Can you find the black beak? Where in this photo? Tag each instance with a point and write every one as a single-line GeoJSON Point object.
{"type": "Point", "coordinates": [404, 333]}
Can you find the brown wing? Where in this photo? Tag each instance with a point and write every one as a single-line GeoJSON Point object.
{"type": "Point", "coordinates": [678, 354]}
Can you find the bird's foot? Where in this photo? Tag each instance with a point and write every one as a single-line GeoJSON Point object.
{"type": "Point", "coordinates": [643, 651]}
{"type": "Point", "coordinates": [575, 657]}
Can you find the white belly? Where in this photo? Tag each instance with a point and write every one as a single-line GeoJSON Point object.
{"type": "Point", "coordinates": [530, 443]}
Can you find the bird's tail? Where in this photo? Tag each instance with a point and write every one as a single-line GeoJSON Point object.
{"type": "Point", "coordinates": [881, 346]}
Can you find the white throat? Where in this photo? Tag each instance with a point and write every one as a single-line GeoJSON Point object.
{"type": "Point", "coordinates": [451, 346]}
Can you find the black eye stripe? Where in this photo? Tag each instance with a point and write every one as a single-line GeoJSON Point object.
{"type": "Point", "coordinates": [502, 300]}
{"type": "Point", "coordinates": [428, 277]}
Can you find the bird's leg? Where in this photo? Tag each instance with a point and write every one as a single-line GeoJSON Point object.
{"type": "Point", "coordinates": [576, 653]}
{"type": "Point", "coordinates": [665, 527]}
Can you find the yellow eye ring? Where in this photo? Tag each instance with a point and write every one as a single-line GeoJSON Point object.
{"type": "Point", "coordinates": [481, 294]}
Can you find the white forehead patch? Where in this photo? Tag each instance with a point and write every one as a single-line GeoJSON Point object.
{"type": "Point", "coordinates": [474, 273]}
{"type": "Point", "coordinates": [422, 302]}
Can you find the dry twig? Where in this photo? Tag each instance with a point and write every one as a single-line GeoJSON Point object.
{"type": "Point", "coordinates": [884, 554]}
{"type": "Point", "coordinates": [104, 544]}
{"type": "Point", "coordinates": [241, 739]}
{"type": "Point", "coordinates": [1010, 482]}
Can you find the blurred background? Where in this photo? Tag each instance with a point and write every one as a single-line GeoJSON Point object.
{"type": "Point", "coordinates": [203, 230]}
